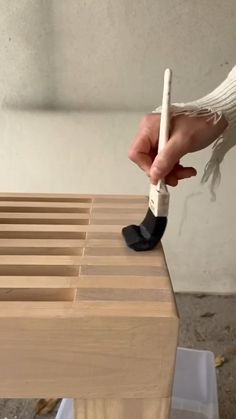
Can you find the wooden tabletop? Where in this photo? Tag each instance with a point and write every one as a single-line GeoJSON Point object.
{"type": "Point", "coordinates": [56, 250]}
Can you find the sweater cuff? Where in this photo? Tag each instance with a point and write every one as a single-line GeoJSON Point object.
{"type": "Point", "coordinates": [221, 101]}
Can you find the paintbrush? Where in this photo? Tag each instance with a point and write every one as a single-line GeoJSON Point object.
{"type": "Point", "coordinates": [148, 234]}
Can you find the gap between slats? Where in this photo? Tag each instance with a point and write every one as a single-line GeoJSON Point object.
{"type": "Point", "coordinates": [36, 294]}
{"type": "Point", "coordinates": [33, 206]}
{"type": "Point", "coordinates": [47, 197]}
{"type": "Point", "coordinates": [44, 198]}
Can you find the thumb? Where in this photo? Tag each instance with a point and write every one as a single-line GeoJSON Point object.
{"type": "Point", "coordinates": [167, 158]}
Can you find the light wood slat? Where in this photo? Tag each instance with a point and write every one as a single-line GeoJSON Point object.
{"type": "Point", "coordinates": [59, 228]}
{"type": "Point", "coordinates": [57, 243]}
{"type": "Point", "coordinates": [126, 210]}
{"type": "Point", "coordinates": [16, 281]}
{"type": "Point", "coordinates": [95, 216]}
{"type": "Point", "coordinates": [117, 282]}
{"type": "Point", "coordinates": [125, 294]}
{"type": "Point", "coordinates": [104, 242]}
{"type": "Point", "coordinates": [126, 271]}
{"type": "Point", "coordinates": [80, 309]}
{"type": "Point", "coordinates": [120, 200]}
{"type": "Point", "coordinates": [44, 216]}
{"type": "Point", "coordinates": [129, 308]}
{"type": "Point", "coordinates": [72, 270]}
{"type": "Point", "coordinates": [105, 235]}
{"type": "Point", "coordinates": [80, 260]}
{"type": "Point", "coordinates": [121, 222]}
{"type": "Point", "coordinates": [115, 251]}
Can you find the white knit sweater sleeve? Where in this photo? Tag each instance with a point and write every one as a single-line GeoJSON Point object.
{"type": "Point", "coordinates": [221, 101]}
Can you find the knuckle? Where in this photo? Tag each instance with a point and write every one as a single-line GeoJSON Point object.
{"type": "Point", "coordinates": [146, 119]}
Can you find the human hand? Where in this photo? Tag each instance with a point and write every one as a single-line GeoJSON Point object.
{"type": "Point", "coordinates": [187, 134]}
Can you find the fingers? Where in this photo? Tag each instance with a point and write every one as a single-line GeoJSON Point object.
{"type": "Point", "coordinates": [167, 158]}
{"type": "Point", "coordinates": [166, 163]}
{"type": "Point", "coordinates": [184, 172]}
{"type": "Point", "coordinates": [171, 179]}
{"type": "Point", "coordinates": [142, 158]}
{"type": "Point", "coordinates": [144, 148]}
{"type": "Point", "coordinates": [178, 173]}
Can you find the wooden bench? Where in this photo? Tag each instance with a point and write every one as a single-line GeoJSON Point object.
{"type": "Point", "coordinates": [81, 315]}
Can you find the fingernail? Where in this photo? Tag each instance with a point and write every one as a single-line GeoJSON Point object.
{"type": "Point", "coordinates": [154, 180]}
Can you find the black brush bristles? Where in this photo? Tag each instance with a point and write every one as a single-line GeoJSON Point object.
{"type": "Point", "coordinates": [147, 235]}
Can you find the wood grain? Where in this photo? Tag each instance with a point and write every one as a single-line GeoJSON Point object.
{"type": "Point", "coordinates": [122, 409]}
{"type": "Point", "coordinates": [81, 315]}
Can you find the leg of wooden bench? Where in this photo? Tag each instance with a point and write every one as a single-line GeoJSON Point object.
{"type": "Point", "coordinates": [156, 409]}
{"type": "Point", "coordinates": [122, 409]}
{"type": "Point", "coordinates": [98, 409]}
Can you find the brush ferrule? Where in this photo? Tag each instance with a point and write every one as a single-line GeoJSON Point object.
{"type": "Point", "coordinates": [159, 200]}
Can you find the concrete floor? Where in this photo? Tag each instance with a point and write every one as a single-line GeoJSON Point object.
{"type": "Point", "coordinates": [207, 322]}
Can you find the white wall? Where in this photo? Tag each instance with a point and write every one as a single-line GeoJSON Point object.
{"type": "Point", "coordinates": [110, 55]}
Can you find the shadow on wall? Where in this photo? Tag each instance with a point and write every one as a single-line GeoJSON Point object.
{"type": "Point", "coordinates": [27, 73]}
{"type": "Point", "coordinates": [70, 56]}
{"type": "Point", "coordinates": [31, 71]}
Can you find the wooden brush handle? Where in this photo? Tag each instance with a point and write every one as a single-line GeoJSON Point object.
{"type": "Point", "coordinates": [165, 112]}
